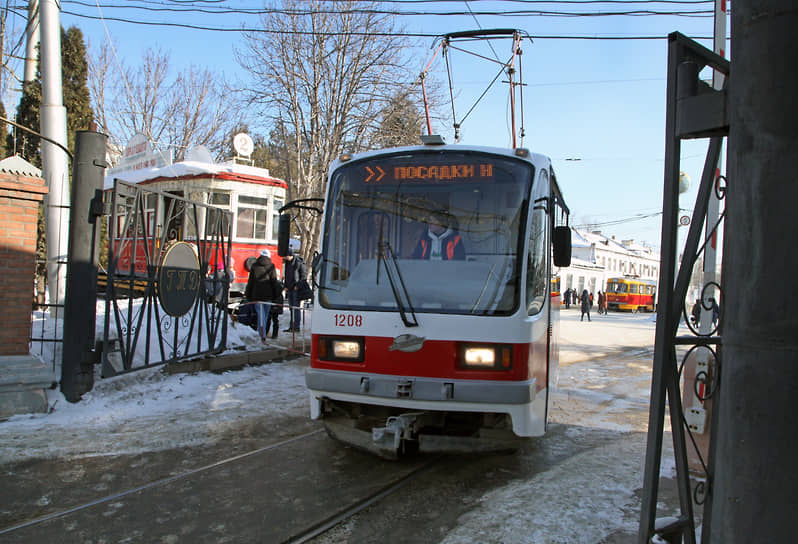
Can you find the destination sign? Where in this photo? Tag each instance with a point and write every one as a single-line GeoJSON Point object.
{"type": "Point", "coordinates": [384, 173]}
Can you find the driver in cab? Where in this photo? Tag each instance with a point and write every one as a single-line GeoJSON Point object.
{"type": "Point", "coordinates": [439, 241]}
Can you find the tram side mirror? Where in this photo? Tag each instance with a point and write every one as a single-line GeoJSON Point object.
{"type": "Point", "coordinates": [562, 246]}
{"type": "Point", "coordinates": [283, 234]}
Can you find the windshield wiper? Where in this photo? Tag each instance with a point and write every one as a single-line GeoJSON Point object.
{"type": "Point", "coordinates": [388, 258]}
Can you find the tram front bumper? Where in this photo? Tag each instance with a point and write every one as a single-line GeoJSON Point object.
{"type": "Point", "coordinates": [421, 389]}
{"type": "Point", "coordinates": [520, 400]}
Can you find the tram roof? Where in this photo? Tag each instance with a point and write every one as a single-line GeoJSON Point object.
{"type": "Point", "coordinates": [194, 169]}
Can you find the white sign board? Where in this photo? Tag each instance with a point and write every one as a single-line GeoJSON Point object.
{"type": "Point", "coordinates": [139, 155]}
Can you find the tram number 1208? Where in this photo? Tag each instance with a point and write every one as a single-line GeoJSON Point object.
{"type": "Point", "coordinates": [348, 320]}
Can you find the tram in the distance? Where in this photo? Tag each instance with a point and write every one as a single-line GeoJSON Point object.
{"type": "Point", "coordinates": [633, 294]}
{"type": "Point", "coordinates": [433, 326]}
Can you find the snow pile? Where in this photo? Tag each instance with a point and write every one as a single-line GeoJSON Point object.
{"type": "Point", "coordinates": [149, 410]}
{"type": "Point", "coordinates": [555, 502]}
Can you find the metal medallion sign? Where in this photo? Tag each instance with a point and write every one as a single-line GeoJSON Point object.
{"type": "Point", "coordinates": [179, 279]}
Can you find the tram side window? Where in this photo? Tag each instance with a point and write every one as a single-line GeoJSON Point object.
{"type": "Point", "coordinates": [213, 225]}
{"type": "Point", "coordinates": [252, 217]}
{"type": "Point", "coordinates": [149, 210]}
{"type": "Point", "coordinates": [536, 275]}
{"type": "Point", "coordinates": [276, 205]}
{"type": "Point", "coordinates": [221, 200]}
{"type": "Point", "coordinates": [633, 288]}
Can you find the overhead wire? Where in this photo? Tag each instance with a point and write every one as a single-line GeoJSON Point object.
{"type": "Point", "coordinates": [255, 30]}
{"type": "Point", "coordinates": [405, 13]}
{"type": "Point", "coordinates": [615, 222]}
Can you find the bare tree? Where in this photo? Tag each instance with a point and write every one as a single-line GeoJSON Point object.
{"type": "Point", "coordinates": [12, 49]}
{"type": "Point", "coordinates": [325, 73]}
{"type": "Point", "coordinates": [174, 112]}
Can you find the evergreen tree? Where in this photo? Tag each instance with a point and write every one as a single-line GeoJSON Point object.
{"type": "Point", "coordinates": [23, 142]}
{"type": "Point", "coordinates": [402, 122]}
{"type": "Point", "coordinates": [74, 71]}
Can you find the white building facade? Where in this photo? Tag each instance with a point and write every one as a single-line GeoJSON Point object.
{"type": "Point", "coordinates": [596, 258]}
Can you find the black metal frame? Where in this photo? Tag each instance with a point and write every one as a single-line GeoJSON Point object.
{"type": "Point", "coordinates": [694, 110]}
{"type": "Point", "coordinates": [204, 327]}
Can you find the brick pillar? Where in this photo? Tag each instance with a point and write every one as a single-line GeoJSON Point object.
{"type": "Point", "coordinates": [20, 197]}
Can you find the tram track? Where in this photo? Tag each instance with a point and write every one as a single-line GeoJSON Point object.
{"type": "Point", "coordinates": [156, 483]}
{"type": "Point", "coordinates": [292, 491]}
{"type": "Point", "coordinates": [322, 527]}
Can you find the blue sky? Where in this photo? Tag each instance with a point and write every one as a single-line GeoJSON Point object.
{"type": "Point", "coordinates": [599, 101]}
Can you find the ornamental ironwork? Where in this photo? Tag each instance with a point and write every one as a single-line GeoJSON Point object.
{"type": "Point", "coordinates": [161, 303]}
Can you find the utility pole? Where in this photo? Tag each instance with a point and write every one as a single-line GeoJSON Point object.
{"type": "Point", "coordinates": [756, 436]}
{"type": "Point", "coordinates": [32, 39]}
{"type": "Point", "coordinates": [54, 158]}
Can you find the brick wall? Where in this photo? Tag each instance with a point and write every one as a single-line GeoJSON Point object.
{"type": "Point", "coordinates": [20, 198]}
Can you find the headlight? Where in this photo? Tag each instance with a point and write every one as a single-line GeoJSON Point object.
{"type": "Point", "coordinates": [480, 357]}
{"type": "Point", "coordinates": [346, 349]}
{"type": "Point", "coordinates": [341, 348]}
{"type": "Point", "coordinates": [485, 357]}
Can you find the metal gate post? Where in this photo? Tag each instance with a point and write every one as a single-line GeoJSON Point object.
{"type": "Point", "coordinates": [77, 364]}
{"type": "Point", "coordinates": [694, 110]}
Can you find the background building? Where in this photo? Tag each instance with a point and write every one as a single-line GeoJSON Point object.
{"type": "Point", "coordinates": [595, 258]}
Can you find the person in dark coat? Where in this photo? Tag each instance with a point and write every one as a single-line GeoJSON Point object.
{"type": "Point", "coordinates": [715, 311]}
{"type": "Point", "coordinates": [695, 316]}
{"type": "Point", "coordinates": [586, 303]}
{"type": "Point", "coordinates": [295, 271]}
{"type": "Point", "coordinates": [568, 298]}
{"type": "Point", "coordinates": [440, 241]}
{"type": "Point", "coordinates": [263, 286]}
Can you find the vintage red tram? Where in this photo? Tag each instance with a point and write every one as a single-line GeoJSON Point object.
{"type": "Point", "coordinates": [251, 194]}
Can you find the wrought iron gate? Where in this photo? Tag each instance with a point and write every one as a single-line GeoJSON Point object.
{"type": "Point", "coordinates": [161, 303]}
{"type": "Point", "coordinates": [694, 110]}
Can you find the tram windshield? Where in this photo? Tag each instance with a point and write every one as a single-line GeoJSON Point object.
{"type": "Point", "coordinates": [430, 232]}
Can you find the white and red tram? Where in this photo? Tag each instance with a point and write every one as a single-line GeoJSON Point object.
{"type": "Point", "coordinates": [450, 353]}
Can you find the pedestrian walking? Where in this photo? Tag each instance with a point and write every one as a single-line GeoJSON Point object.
{"type": "Point", "coordinates": [695, 314]}
{"type": "Point", "coordinates": [568, 298]}
{"type": "Point", "coordinates": [585, 305]}
{"type": "Point", "coordinates": [263, 286]}
{"type": "Point", "coordinates": [715, 311]}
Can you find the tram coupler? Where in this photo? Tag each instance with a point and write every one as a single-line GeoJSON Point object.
{"type": "Point", "coordinates": [397, 428]}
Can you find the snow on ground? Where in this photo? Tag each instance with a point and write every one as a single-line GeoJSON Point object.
{"type": "Point", "coordinates": [148, 410]}
{"type": "Point", "coordinates": [583, 499]}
